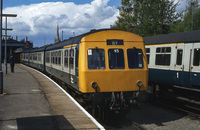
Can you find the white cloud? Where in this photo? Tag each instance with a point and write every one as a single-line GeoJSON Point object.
{"type": "Point", "coordinates": [41, 19]}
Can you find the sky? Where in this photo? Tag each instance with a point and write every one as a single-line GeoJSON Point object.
{"type": "Point", "coordinates": [38, 19]}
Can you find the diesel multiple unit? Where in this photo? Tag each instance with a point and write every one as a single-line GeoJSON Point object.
{"type": "Point", "coordinates": [107, 67]}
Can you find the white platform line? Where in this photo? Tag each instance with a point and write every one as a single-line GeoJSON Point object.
{"type": "Point", "coordinates": [88, 115]}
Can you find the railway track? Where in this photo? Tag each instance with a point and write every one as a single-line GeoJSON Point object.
{"type": "Point", "coordinates": [181, 102]}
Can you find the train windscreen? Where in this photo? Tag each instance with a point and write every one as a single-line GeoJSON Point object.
{"type": "Point", "coordinates": [96, 59]}
{"type": "Point", "coordinates": [116, 58]}
{"type": "Point", "coordinates": [135, 58]}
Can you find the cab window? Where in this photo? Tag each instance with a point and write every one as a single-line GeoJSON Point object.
{"type": "Point", "coordinates": [116, 58]}
{"type": "Point", "coordinates": [135, 58]}
{"type": "Point", "coordinates": [96, 59]}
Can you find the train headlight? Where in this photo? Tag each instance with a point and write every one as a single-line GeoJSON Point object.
{"type": "Point", "coordinates": [139, 84]}
{"type": "Point", "coordinates": [94, 85]}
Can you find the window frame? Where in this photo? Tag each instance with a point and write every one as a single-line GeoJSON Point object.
{"type": "Point", "coordinates": [122, 56]}
{"type": "Point", "coordinates": [163, 56]}
{"type": "Point", "coordinates": [90, 52]}
{"type": "Point", "coordinates": [148, 54]}
{"type": "Point", "coordinates": [136, 58]}
{"type": "Point", "coordinates": [179, 57]}
{"type": "Point", "coordinates": [196, 57]}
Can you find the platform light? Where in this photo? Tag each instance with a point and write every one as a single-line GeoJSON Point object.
{"type": "Point", "coordinates": [6, 29]}
{"type": "Point", "coordinates": [1, 73]}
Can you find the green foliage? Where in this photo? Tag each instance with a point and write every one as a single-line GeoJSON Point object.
{"type": "Point", "coordinates": [146, 17]}
{"type": "Point", "coordinates": [186, 23]}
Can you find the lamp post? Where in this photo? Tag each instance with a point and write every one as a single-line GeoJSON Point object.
{"type": "Point", "coordinates": [62, 35]}
{"type": "Point", "coordinates": [5, 59]}
{"type": "Point", "coordinates": [1, 73]}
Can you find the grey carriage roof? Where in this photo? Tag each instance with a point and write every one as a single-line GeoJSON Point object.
{"type": "Point", "coordinates": [185, 37]}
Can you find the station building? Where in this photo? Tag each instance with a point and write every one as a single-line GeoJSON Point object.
{"type": "Point", "coordinates": [15, 47]}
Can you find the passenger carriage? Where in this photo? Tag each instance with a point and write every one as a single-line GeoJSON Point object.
{"type": "Point", "coordinates": [174, 60]}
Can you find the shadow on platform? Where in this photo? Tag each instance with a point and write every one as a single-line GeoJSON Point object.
{"type": "Point", "coordinates": [44, 123]}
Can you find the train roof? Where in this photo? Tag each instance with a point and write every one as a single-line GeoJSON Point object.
{"type": "Point", "coordinates": [185, 37]}
{"type": "Point", "coordinates": [38, 49]}
{"type": "Point", "coordinates": [73, 40]}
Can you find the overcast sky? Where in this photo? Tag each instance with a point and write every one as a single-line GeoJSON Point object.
{"type": "Point", "coordinates": [38, 19]}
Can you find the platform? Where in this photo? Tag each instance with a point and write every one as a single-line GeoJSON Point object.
{"type": "Point", "coordinates": [33, 101]}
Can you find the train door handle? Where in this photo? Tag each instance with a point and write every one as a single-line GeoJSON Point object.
{"type": "Point", "coordinates": [177, 75]}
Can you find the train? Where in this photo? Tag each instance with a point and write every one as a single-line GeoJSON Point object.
{"type": "Point", "coordinates": [108, 68]}
{"type": "Point", "coordinates": [174, 62]}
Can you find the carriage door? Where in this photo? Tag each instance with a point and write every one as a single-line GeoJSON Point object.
{"type": "Point", "coordinates": [66, 65]}
{"type": "Point", "coordinates": [179, 64]}
{"type": "Point", "coordinates": [72, 66]}
{"type": "Point", "coordinates": [195, 66]}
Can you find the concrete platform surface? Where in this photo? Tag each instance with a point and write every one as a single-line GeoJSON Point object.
{"type": "Point", "coordinates": [31, 101]}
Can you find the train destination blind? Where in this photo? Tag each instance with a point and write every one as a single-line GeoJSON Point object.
{"type": "Point", "coordinates": [115, 42]}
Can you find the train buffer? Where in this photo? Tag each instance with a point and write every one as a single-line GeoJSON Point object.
{"type": "Point", "coordinates": [33, 101]}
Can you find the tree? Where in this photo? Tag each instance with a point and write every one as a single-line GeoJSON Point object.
{"type": "Point", "coordinates": [185, 24]}
{"type": "Point", "coordinates": [146, 17]}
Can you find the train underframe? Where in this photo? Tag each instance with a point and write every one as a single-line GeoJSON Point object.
{"type": "Point", "coordinates": [102, 104]}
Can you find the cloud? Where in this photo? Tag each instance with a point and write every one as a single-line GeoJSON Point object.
{"type": "Point", "coordinates": [181, 5]}
{"type": "Point", "coordinates": [42, 19]}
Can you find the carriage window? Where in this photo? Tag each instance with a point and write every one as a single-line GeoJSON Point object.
{"type": "Point", "coordinates": [47, 57]}
{"type": "Point", "coordinates": [158, 50]}
{"type": "Point", "coordinates": [31, 56]}
{"type": "Point", "coordinates": [196, 59]}
{"type": "Point", "coordinates": [135, 58]}
{"type": "Point", "coordinates": [39, 57]}
{"type": "Point", "coordinates": [179, 57]}
{"type": "Point", "coordinates": [163, 49]}
{"type": "Point", "coordinates": [54, 57]}
{"type": "Point", "coordinates": [66, 59]}
{"type": "Point", "coordinates": [116, 58]}
{"type": "Point", "coordinates": [35, 57]}
{"type": "Point", "coordinates": [148, 54]}
{"type": "Point", "coordinates": [24, 56]}
{"type": "Point", "coordinates": [51, 57]}
{"type": "Point", "coordinates": [96, 59]}
{"type": "Point", "coordinates": [59, 57]}
{"type": "Point", "coordinates": [71, 59]}
{"type": "Point", "coordinates": [163, 56]}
